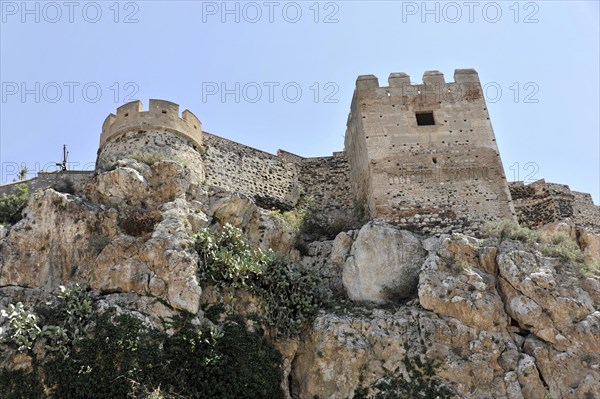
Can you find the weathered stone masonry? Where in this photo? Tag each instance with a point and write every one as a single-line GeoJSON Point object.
{"type": "Point", "coordinates": [424, 156]}
{"type": "Point", "coordinates": [270, 180]}
{"type": "Point", "coordinates": [421, 156]}
{"type": "Point", "coordinates": [278, 180]}
{"type": "Point", "coordinates": [540, 203]}
{"type": "Point", "coordinates": [160, 130]}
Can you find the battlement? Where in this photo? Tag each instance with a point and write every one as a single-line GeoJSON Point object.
{"type": "Point", "coordinates": [162, 115]}
{"type": "Point", "coordinates": [402, 80]}
{"type": "Point", "coordinates": [434, 88]}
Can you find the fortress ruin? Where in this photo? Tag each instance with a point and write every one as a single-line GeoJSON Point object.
{"type": "Point", "coordinates": [420, 156]}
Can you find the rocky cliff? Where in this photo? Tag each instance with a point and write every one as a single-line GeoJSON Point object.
{"type": "Point", "coordinates": [515, 315]}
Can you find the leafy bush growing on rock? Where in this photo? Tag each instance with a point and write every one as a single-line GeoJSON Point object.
{"type": "Point", "coordinates": [117, 356]}
{"type": "Point", "coordinates": [310, 223]}
{"type": "Point", "coordinates": [291, 293]}
{"type": "Point", "coordinates": [63, 323]}
{"type": "Point", "coordinates": [508, 229]}
{"type": "Point", "coordinates": [12, 205]}
{"type": "Point", "coordinates": [557, 245]}
{"type": "Point", "coordinates": [227, 259]}
{"type": "Point", "coordinates": [23, 328]}
{"type": "Point", "coordinates": [420, 381]}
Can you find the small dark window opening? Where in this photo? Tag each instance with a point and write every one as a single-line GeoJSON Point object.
{"type": "Point", "coordinates": [434, 159]}
{"type": "Point", "coordinates": [425, 118]}
{"type": "Point", "coordinates": [164, 112]}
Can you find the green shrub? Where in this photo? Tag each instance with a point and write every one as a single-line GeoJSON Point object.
{"type": "Point", "coordinates": [120, 357]}
{"type": "Point", "coordinates": [291, 293]}
{"type": "Point", "coordinates": [227, 259]}
{"type": "Point", "coordinates": [421, 382]}
{"type": "Point", "coordinates": [60, 325]}
{"type": "Point", "coordinates": [118, 352]}
{"type": "Point", "coordinates": [590, 268]}
{"type": "Point", "coordinates": [23, 328]}
{"type": "Point", "coordinates": [20, 384]}
{"type": "Point", "coordinates": [73, 312]}
{"type": "Point", "coordinates": [240, 364]}
{"type": "Point", "coordinates": [564, 248]}
{"type": "Point", "coordinates": [296, 218]}
{"type": "Point", "coordinates": [309, 221]}
{"type": "Point", "coordinates": [557, 245]}
{"type": "Point", "coordinates": [12, 205]}
{"type": "Point", "coordinates": [507, 229]}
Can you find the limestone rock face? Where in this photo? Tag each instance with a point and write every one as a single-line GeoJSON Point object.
{"type": "Point", "coordinates": [503, 322]}
{"type": "Point", "coordinates": [342, 350]}
{"type": "Point", "coordinates": [59, 233]}
{"type": "Point", "coordinates": [590, 243]}
{"type": "Point", "coordinates": [499, 320]}
{"type": "Point", "coordinates": [261, 228]}
{"type": "Point", "coordinates": [382, 256]}
{"type": "Point", "coordinates": [169, 180]}
{"type": "Point", "coordinates": [122, 185]}
{"type": "Point", "coordinates": [134, 183]}
{"type": "Point", "coordinates": [461, 290]}
{"type": "Point", "coordinates": [91, 247]}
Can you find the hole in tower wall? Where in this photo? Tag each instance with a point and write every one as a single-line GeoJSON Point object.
{"type": "Point", "coordinates": [425, 118]}
{"type": "Point", "coordinates": [164, 112]}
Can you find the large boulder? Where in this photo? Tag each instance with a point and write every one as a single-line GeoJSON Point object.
{"type": "Point", "coordinates": [382, 257]}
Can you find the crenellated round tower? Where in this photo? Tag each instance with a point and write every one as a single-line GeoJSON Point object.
{"type": "Point", "coordinates": [157, 134]}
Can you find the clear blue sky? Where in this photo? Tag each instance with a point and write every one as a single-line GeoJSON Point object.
{"type": "Point", "coordinates": [539, 63]}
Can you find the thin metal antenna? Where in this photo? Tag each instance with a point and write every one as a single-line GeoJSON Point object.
{"type": "Point", "coordinates": [65, 162]}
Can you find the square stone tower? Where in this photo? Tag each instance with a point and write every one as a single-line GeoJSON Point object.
{"type": "Point", "coordinates": [424, 156]}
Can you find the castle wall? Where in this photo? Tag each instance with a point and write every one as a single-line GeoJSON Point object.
{"type": "Point", "coordinates": [44, 180]}
{"type": "Point", "coordinates": [327, 180]}
{"type": "Point", "coordinates": [355, 145]}
{"type": "Point", "coordinates": [442, 177]}
{"type": "Point", "coordinates": [271, 180]}
{"type": "Point", "coordinates": [279, 180]}
{"type": "Point", "coordinates": [585, 213]}
{"type": "Point", "coordinates": [421, 156]}
{"type": "Point", "coordinates": [540, 203]}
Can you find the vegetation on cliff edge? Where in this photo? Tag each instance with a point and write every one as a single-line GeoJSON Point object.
{"type": "Point", "coordinates": [113, 355]}
{"type": "Point", "coordinates": [291, 293]}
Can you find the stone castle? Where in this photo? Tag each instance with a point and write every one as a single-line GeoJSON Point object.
{"type": "Point", "coordinates": [420, 156]}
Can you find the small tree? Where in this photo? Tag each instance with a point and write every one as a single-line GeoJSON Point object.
{"type": "Point", "coordinates": [23, 172]}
